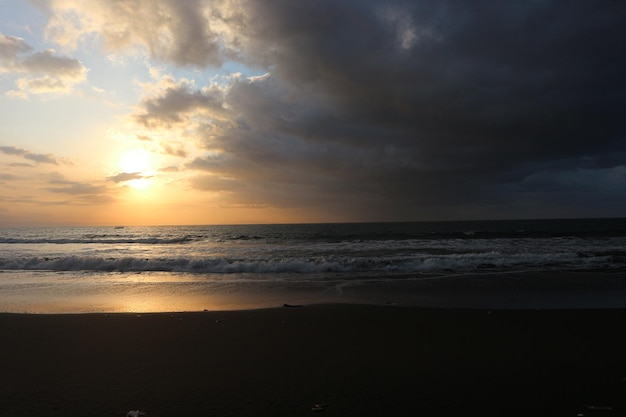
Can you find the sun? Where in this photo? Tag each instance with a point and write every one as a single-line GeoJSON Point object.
{"type": "Point", "coordinates": [135, 161]}
{"type": "Point", "coordinates": [139, 164]}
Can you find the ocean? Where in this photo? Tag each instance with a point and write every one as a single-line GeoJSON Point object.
{"type": "Point", "coordinates": [463, 264]}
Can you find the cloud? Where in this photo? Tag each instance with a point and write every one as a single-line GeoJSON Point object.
{"type": "Point", "coordinates": [52, 189]}
{"type": "Point", "coordinates": [35, 157]}
{"type": "Point", "coordinates": [7, 177]}
{"type": "Point", "coordinates": [46, 71]}
{"type": "Point", "coordinates": [174, 102]}
{"type": "Point", "coordinates": [407, 33]}
{"type": "Point", "coordinates": [78, 188]}
{"type": "Point", "coordinates": [215, 183]}
{"type": "Point", "coordinates": [394, 110]}
{"type": "Point", "coordinates": [174, 150]}
{"type": "Point", "coordinates": [10, 48]}
{"type": "Point", "coordinates": [79, 192]}
{"type": "Point", "coordinates": [20, 164]}
{"type": "Point", "coordinates": [127, 176]}
{"type": "Point", "coordinates": [169, 30]}
{"type": "Point", "coordinates": [47, 62]}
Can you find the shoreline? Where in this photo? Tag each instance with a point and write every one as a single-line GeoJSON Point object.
{"type": "Point", "coordinates": [52, 293]}
{"type": "Point", "coordinates": [331, 305]}
{"type": "Point", "coordinates": [357, 359]}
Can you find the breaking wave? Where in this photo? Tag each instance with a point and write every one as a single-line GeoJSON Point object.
{"type": "Point", "coordinates": [467, 262]}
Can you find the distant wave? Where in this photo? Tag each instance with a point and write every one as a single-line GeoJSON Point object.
{"type": "Point", "coordinates": [100, 240]}
{"type": "Point", "coordinates": [466, 262]}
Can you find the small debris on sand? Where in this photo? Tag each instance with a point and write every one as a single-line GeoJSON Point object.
{"type": "Point", "coordinates": [319, 407]}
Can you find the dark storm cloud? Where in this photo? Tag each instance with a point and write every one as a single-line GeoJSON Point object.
{"type": "Point", "coordinates": [406, 109]}
{"type": "Point", "coordinates": [446, 104]}
{"type": "Point", "coordinates": [214, 183]}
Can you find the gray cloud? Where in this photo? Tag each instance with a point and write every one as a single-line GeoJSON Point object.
{"type": "Point", "coordinates": [35, 157]}
{"type": "Point", "coordinates": [10, 48]}
{"type": "Point", "coordinates": [491, 94]}
{"type": "Point", "coordinates": [83, 192]}
{"type": "Point", "coordinates": [45, 71]}
{"type": "Point", "coordinates": [176, 31]}
{"type": "Point", "coordinates": [127, 176]}
{"type": "Point", "coordinates": [174, 150]}
{"type": "Point", "coordinates": [400, 109]}
{"type": "Point", "coordinates": [35, 190]}
{"type": "Point", "coordinates": [216, 183]}
{"type": "Point", "coordinates": [20, 164]}
{"type": "Point", "coordinates": [177, 102]}
{"type": "Point", "coordinates": [47, 62]}
{"type": "Point", "coordinates": [79, 189]}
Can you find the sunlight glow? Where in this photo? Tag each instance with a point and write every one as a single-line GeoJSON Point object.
{"type": "Point", "coordinates": [139, 183]}
{"type": "Point", "coordinates": [137, 162]}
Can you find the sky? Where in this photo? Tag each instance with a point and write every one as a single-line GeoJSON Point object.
{"type": "Point", "coordinates": [148, 112]}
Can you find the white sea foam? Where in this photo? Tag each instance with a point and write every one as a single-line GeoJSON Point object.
{"type": "Point", "coordinates": [405, 263]}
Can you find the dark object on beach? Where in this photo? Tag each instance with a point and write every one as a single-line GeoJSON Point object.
{"type": "Point", "coordinates": [319, 407]}
{"type": "Point", "coordinates": [291, 305]}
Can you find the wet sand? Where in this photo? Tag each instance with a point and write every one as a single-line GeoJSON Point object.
{"type": "Point", "coordinates": [356, 360]}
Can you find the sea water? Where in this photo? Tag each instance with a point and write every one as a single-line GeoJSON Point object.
{"type": "Point", "coordinates": [497, 264]}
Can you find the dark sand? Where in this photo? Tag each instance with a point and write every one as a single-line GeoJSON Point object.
{"type": "Point", "coordinates": [359, 360]}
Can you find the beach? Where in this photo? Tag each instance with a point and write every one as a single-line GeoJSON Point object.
{"type": "Point", "coordinates": [335, 360]}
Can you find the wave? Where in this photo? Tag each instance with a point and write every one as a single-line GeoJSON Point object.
{"type": "Point", "coordinates": [99, 240]}
{"type": "Point", "coordinates": [466, 262]}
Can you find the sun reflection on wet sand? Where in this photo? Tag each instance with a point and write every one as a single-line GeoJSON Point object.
{"type": "Point", "coordinates": [140, 293]}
